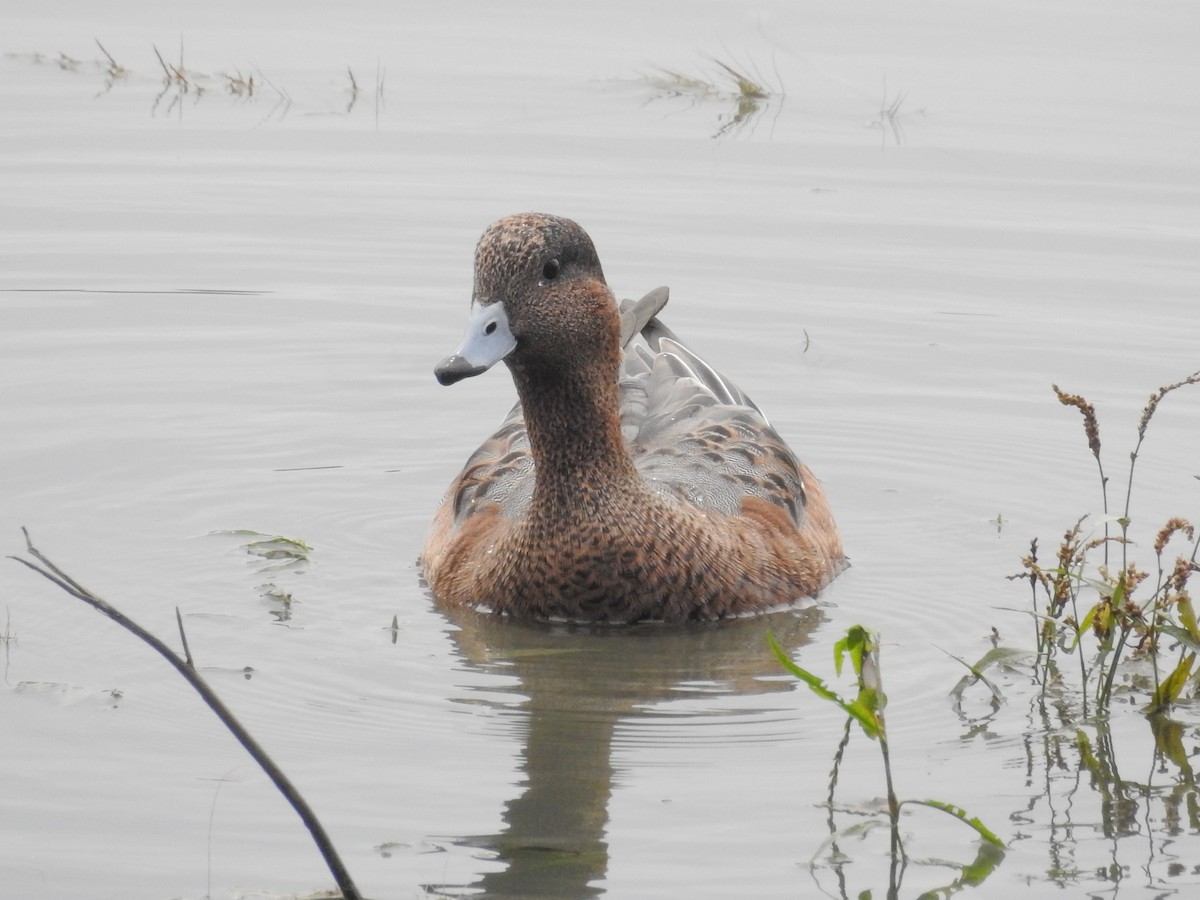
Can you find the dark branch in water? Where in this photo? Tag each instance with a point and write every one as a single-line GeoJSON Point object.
{"type": "Point", "coordinates": [186, 667]}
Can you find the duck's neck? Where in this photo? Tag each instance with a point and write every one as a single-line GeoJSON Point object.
{"type": "Point", "coordinates": [574, 426]}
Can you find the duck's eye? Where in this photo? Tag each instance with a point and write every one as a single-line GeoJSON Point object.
{"type": "Point", "coordinates": [550, 270]}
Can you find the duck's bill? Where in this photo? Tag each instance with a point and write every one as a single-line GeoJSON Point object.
{"type": "Point", "coordinates": [487, 341]}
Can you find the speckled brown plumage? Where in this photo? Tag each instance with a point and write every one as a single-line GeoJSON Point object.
{"type": "Point", "coordinates": [631, 481]}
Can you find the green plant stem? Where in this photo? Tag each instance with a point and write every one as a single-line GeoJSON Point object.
{"type": "Point", "coordinates": [838, 866]}
{"type": "Point", "coordinates": [893, 802]}
{"type": "Point", "coordinates": [1106, 694]}
{"type": "Point", "coordinates": [1083, 674]}
{"type": "Point", "coordinates": [1104, 502]}
{"type": "Point", "coordinates": [833, 773]}
{"type": "Point", "coordinates": [1133, 457]}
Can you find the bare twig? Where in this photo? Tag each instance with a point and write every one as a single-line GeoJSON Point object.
{"type": "Point", "coordinates": [186, 667]}
{"type": "Point", "coordinates": [187, 653]}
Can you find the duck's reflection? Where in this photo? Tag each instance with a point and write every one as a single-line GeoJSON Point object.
{"type": "Point", "coordinates": [580, 682]}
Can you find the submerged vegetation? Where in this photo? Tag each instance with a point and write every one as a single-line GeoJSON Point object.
{"type": "Point", "coordinates": [861, 647]}
{"type": "Point", "coordinates": [889, 119]}
{"type": "Point", "coordinates": [732, 84]}
{"type": "Point", "coordinates": [276, 556]}
{"type": "Point", "coordinates": [1139, 614]}
{"type": "Point", "coordinates": [741, 93]}
{"type": "Point", "coordinates": [277, 551]}
{"type": "Point", "coordinates": [1130, 622]}
{"type": "Point", "coordinates": [180, 83]}
{"type": "Point", "coordinates": [1133, 632]}
{"type": "Point", "coordinates": [746, 94]}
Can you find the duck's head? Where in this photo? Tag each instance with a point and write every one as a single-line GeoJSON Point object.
{"type": "Point", "coordinates": [540, 301]}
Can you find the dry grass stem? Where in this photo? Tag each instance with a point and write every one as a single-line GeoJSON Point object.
{"type": "Point", "coordinates": [746, 85]}
{"type": "Point", "coordinates": [239, 85]}
{"type": "Point", "coordinates": [114, 70]}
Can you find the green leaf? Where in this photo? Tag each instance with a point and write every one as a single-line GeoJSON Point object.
{"type": "Point", "coordinates": [279, 548]}
{"type": "Point", "coordinates": [997, 656]}
{"type": "Point", "coordinates": [856, 710]}
{"type": "Point", "coordinates": [1084, 625]}
{"type": "Point", "coordinates": [1087, 757]}
{"type": "Point", "coordinates": [1168, 738]}
{"type": "Point", "coordinates": [869, 699]}
{"type": "Point", "coordinates": [856, 644]}
{"type": "Point", "coordinates": [1118, 593]}
{"type": "Point", "coordinates": [963, 816]}
{"type": "Point", "coordinates": [1169, 688]}
{"type": "Point", "coordinates": [1187, 615]}
{"type": "Point", "coordinates": [989, 856]}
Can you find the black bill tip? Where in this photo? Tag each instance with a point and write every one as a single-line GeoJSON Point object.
{"type": "Point", "coordinates": [453, 369]}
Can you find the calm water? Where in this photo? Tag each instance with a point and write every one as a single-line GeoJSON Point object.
{"type": "Point", "coordinates": [220, 312]}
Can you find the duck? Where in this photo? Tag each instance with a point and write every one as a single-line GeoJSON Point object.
{"type": "Point", "coordinates": [631, 482]}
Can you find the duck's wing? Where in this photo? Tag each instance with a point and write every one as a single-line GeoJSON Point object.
{"type": "Point", "coordinates": [694, 434]}
{"type": "Point", "coordinates": [500, 471]}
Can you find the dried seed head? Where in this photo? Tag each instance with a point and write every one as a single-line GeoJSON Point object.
{"type": "Point", "coordinates": [1179, 576]}
{"type": "Point", "coordinates": [1102, 620]}
{"type": "Point", "coordinates": [1111, 539]}
{"type": "Point", "coordinates": [1090, 426]}
{"type": "Point", "coordinates": [1173, 525]}
{"type": "Point", "coordinates": [1132, 576]}
{"type": "Point", "coordinates": [1069, 547]}
{"type": "Point", "coordinates": [1152, 403]}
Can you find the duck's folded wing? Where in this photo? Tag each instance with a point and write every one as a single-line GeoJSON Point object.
{"type": "Point", "coordinates": [697, 436]}
{"type": "Point", "coordinates": [500, 471]}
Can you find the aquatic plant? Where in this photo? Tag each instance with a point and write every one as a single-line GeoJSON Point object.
{"type": "Point", "coordinates": [1074, 594]}
{"type": "Point", "coordinates": [114, 70]}
{"type": "Point", "coordinates": [273, 555]}
{"type": "Point", "coordinates": [744, 87]}
{"type": "Point", "coordinates": [180, 82]}
{"type": "Point", "coordinates": [281, 551]}
{"type": "Point", "coordinates": [861, 647]}
{"type": "Point", "coordinates": [239, 85]}
{"type": "Point", "coordinates": [1142, 624]}
{"type": "Point", "coordinates": [887, 118]}
{"type": "Point", "coordinates": [743, 83]}
{"type": "Point", "coordinates": [280, 600]}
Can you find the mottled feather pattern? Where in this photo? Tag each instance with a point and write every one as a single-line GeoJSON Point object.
{"type": "Point", "coordinates": [695, 435]}
{"type": "Point", "coordinates": [500, 471]}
